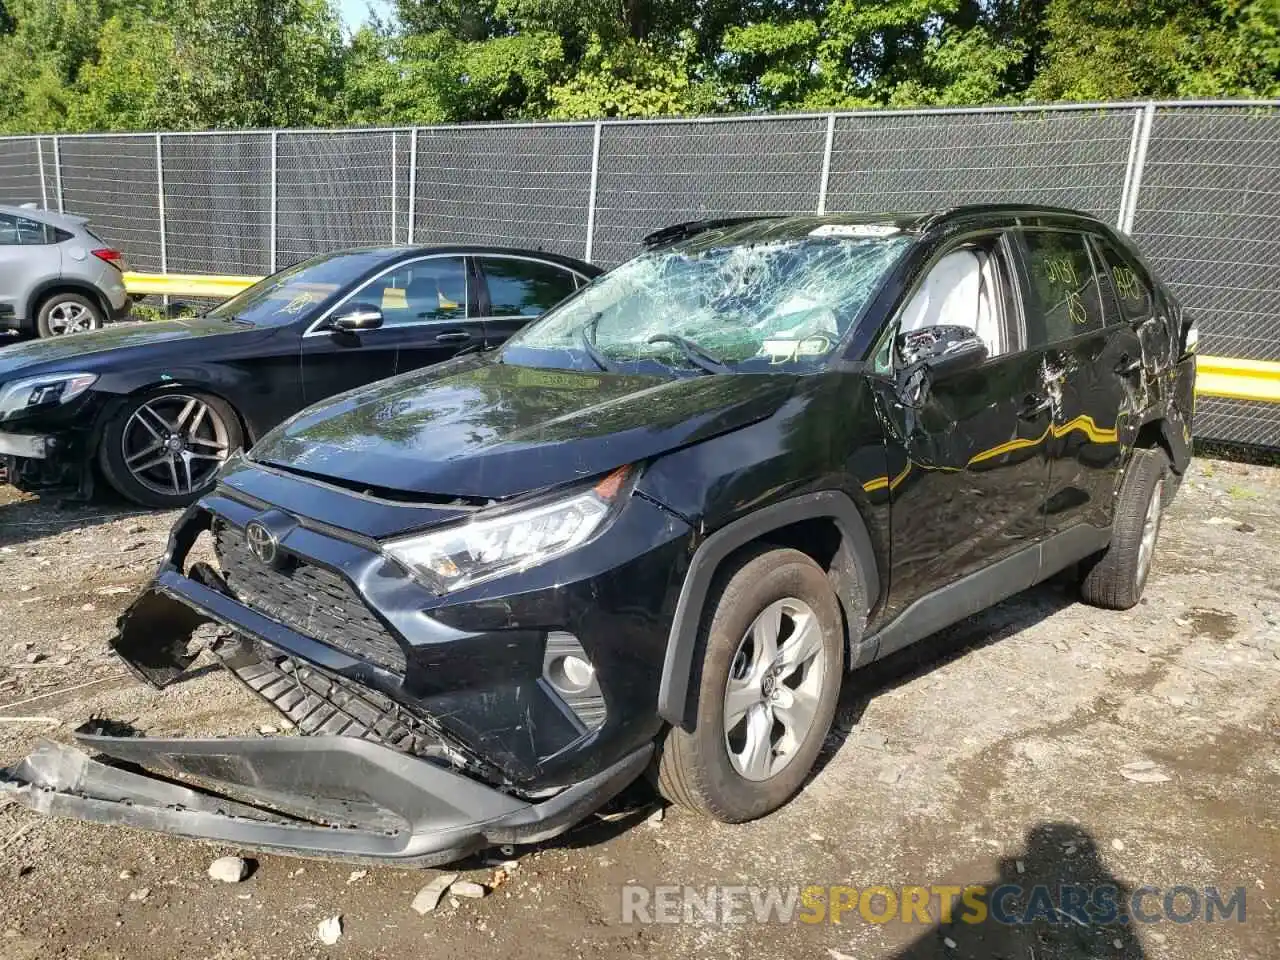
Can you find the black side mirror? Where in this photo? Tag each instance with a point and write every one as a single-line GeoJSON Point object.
{"type": "Point", "coordinates": [356, 317]}
{"type": "Point", "coordinates": [930, 352]}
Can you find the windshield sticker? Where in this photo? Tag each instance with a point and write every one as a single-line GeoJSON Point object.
{"type": "Point", "coordinates": [855, 230]}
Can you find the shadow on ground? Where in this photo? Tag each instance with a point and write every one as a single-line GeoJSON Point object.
{"type": "Point", "coordinates": [1041, 905]}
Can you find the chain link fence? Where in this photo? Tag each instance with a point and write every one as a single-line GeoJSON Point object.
{"type": "Point", "coordinates": [1196, 184]}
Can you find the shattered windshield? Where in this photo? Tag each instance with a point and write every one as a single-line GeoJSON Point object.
{"type": "Point", "coordinates": [740, 307]}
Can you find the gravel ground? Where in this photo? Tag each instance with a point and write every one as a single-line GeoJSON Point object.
{"type": "Point", "coordinates": [990, 753]}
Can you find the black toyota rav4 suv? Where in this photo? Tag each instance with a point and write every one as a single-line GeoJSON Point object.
{"type": "Point", "coordinates": [652, 532]}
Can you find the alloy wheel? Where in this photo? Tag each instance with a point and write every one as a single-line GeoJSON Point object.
{"type": "Point", "coordinates": [71, 317]}
{"type": "Point", "coordinates": [775, 682]}
{"type": "Point", "coordinates": [174, 444]}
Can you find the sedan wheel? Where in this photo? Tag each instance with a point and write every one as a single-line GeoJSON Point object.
{"type": "Point", "coordinates": [174, 444]}
{"type": "Point", "coordinates": [165, 449]}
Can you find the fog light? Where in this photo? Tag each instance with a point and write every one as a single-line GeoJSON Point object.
{"type": "Point", "coordinates": [571, 674]}
{"type": "Point", "coordinates": [571, 677]}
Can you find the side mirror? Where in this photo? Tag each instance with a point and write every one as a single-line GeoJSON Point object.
{"type": "Point", "coordinates": [356, 317]}
{"type": "Point", "coordinates": [934, 351]}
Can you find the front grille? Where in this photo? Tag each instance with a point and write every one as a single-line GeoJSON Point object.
{"type": "Point", "coordinates": [308, 598]}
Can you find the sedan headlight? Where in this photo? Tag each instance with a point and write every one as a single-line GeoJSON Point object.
{"type": "Point", "coordinates": [56, 388]}
{"type": "Point", "coordinates": [488, 547]}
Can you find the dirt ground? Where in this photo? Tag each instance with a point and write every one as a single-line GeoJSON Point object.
{"type": "Point", "coordinates": [991, 753]}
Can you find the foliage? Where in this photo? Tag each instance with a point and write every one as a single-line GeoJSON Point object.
{"type": "Point", "coordinates": [186, 64]}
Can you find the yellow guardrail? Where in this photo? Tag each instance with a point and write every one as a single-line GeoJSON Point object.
{"type": "Point", "coordinates": [1238, 379]}
{"type": "Point", "coordinates": [186, 284]}
{"type": "Point", "coordinates": [1215, 376]}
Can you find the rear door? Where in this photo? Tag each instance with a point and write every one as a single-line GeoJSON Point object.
{"type": "Point", "coordinates": [1088, 366]}
{"type": "Point", "coordinates": [517, 290]}
{"type": "Point", "coordinates": [27, 256]}
{"type": "Point", "coordinates": [424, 320]}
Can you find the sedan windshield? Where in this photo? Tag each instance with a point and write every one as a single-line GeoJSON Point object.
{"type": "Point", "coordinates": [284, 297]}
{"type": "Point", "coordinates": [740, 307]}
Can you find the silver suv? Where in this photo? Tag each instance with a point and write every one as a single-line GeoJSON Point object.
{"type": "Point", "coordinates": [56, 276]}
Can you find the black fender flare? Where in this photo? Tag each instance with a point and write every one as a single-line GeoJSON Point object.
{"type": "Point", "coordinates": [70, 284]}
{"type": "Point", "coordinates": [677, 664]}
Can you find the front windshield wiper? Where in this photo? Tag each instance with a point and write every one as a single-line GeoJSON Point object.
{"type": "Point", "coordinates": [695, 354]}
{"type": "Point", "coordinates": [588, 336]}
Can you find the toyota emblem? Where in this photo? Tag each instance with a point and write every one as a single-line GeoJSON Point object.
{"type": "Point", "coordinates": [263, 544]}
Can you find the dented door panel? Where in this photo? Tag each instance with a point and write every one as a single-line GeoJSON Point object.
{"type": "Point", "coordinates": [971, 474]}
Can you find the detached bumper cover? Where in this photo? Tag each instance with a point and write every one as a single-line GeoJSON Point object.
{"type": "Point", "coordinates": [329, 797]}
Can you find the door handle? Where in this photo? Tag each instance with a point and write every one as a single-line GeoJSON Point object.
{"type": "Point", "coordinates": [452, 336]}
{"type": "Point", "coordinates": [1034, 405]}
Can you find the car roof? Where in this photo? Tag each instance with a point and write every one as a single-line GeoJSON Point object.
{"type": "Point", "coordinates": [728, 231]}
{"type": "Point", "coordinates": [392, 253]}
{"type": "Point", "coordinates": [65, 220]}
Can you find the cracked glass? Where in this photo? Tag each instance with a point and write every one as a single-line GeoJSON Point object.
{"type": "Point", "coordinates": [744, 307]}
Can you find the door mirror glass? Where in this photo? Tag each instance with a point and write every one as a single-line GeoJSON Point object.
{"type": "Point", "coordinates": [357, 316]}
{"type": "Point", "coordinates": [930, 352]}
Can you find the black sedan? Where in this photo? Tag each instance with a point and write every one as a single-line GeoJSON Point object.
{"type": "Point", "coordinates": [155, 409]}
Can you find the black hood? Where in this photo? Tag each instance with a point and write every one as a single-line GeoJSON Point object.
{"type": "Point", "coordinates": [478, 428]}
{"type": "Point", "coordinates": [103, 349]}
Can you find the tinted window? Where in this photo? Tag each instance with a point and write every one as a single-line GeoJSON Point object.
{"type": "Point", "coordinates": [523, 288]}
{"type": "Point", "coordinates": [424, 290]}
{"type": "Point", "coordinates": [1062, 299]}
{"type": "Point", "coordinates": [299, 290]}
{"type": "Point", "coordinates": [20, 230]}
{"type": "Point", "coordinates": [1121, 280]}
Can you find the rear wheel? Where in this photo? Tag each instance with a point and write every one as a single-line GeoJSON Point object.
{"type": "Point", "coordinates": [164, 449]}
{"type": "Point", "coordinates": [1115, 577]}
{"type": "Point", "coordinates": [772, 651]}
{"type": "Point", "coordinates": [65, 313]}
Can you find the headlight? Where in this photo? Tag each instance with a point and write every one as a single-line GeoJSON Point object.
{"type": "Point", "coordinates": [487, 547]}
{"type": "Point", "coordinates": [36, 391]}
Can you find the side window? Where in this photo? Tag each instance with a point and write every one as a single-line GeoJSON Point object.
{"type": "Point", "coordinates": [8, 230]}
{"type": "Point", "coordinates": [419, 292]}
{"type": "Point", "coordinates": [524, 288]}
{"type": "Point", "coordinates": [1123, 282]}
{"type": "Point", "coordinates": [964, 287]}
{"type": "Point", "coordinates": [31, 232]}
{"type": "Point", "coordinates": [1063, 299]}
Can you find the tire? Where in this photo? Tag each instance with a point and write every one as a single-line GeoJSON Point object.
{"type": "Point", "coordinates": [714, 770]}
{"type": "Point", "coordinates": [1114, 578]}
{"type": "Point", "coordinates": [140, 459]}
{"type": "Point", "coordinates": [62, 309]}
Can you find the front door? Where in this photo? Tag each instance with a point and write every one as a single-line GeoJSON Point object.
{"type": "Point", "coordinates": [424, 320]}
{"type": "Point", "coordinates": [967, 468]}
{"type": "Point", "coordinates": [434, 301]}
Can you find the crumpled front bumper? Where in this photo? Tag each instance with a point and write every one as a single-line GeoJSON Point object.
{"type": "Point", "coordinates": [327, 797]}
{"type": "Point", "coordinates": [391, 788]}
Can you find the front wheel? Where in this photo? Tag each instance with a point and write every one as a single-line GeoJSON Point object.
{"type": "Point", "coordinates": [772, 661]}
{"type": "Point", "coordinates": [164, 449]}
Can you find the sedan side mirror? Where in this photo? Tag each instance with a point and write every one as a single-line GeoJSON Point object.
{"type": "Point", "coordinates": [356, 317]}
{"type": "Point", "coordinates": [931, 352]}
